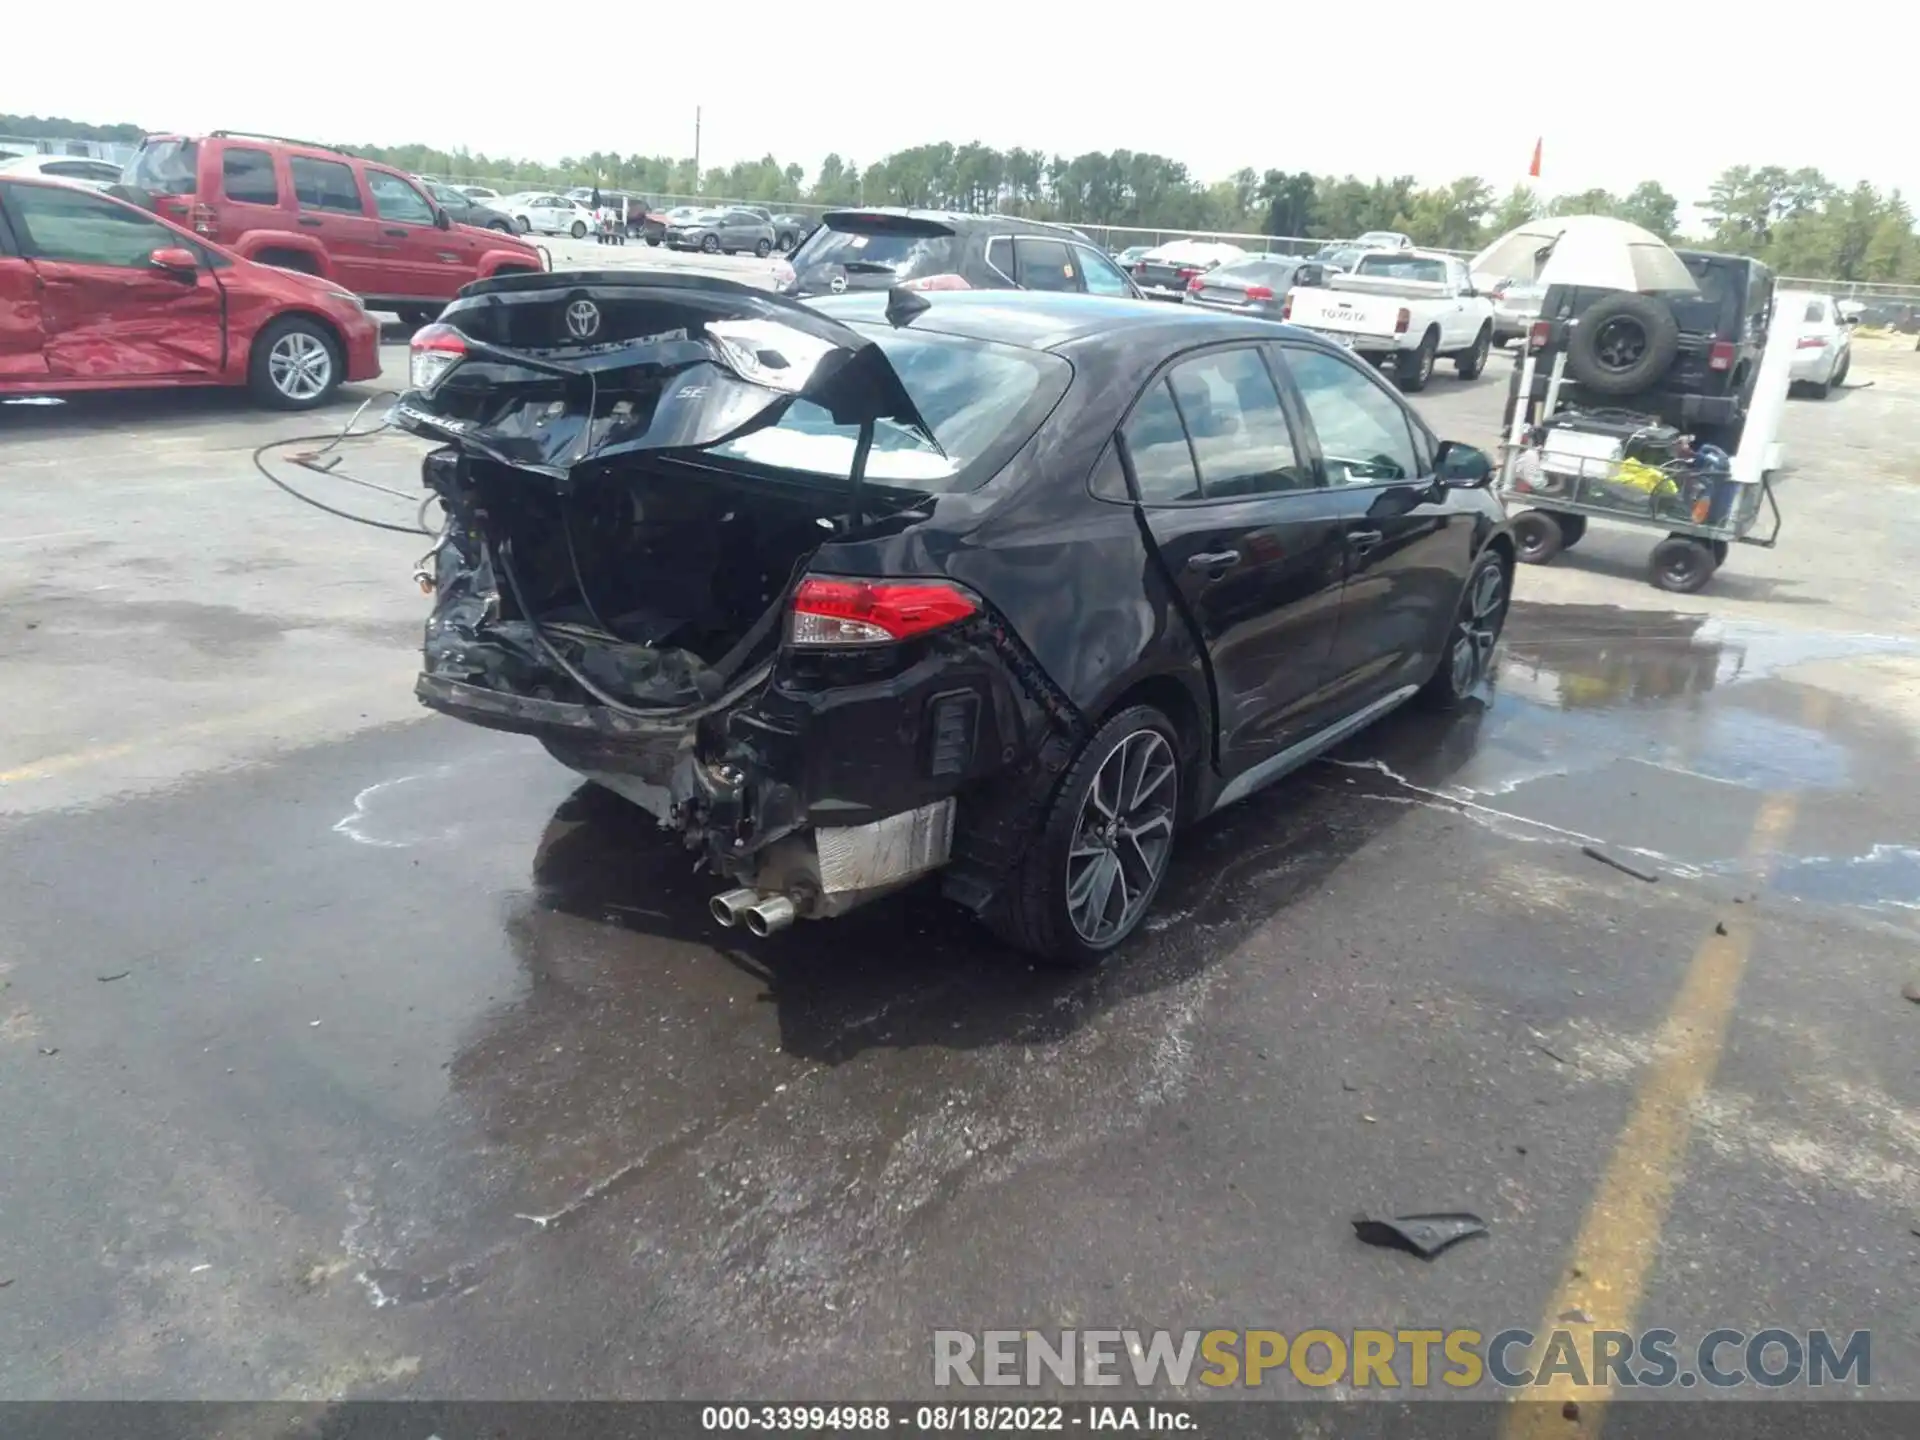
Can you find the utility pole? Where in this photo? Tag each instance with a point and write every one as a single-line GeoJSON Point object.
{"type": "Point", "coordinates": [696, 149]}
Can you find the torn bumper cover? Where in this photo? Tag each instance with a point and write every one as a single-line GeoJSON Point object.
{"type": "Point", "coordinates": [575, 474]}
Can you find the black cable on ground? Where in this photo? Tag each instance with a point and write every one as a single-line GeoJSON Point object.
{"type": "Point", "coordinates": [329, 442]}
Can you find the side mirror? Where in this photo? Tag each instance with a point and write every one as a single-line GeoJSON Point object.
{"type": "Point", "coordinates": [1460, 466]}
{"type": "Point", "coordinates": [177, 261]}
{"type": "Point", "coordinates": [442, 220]}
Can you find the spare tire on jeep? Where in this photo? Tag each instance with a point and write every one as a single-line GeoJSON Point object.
{"type": "Point", "coordinates": [1623, 343]}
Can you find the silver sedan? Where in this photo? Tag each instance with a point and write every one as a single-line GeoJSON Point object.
{"type": "Point", "coordinates": [722, 231]}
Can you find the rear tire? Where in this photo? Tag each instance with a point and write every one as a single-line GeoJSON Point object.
{"type": "Point", "coordinates": [296, 364]}
{"type": "Point", "coordinates": [579, 230]}
{"type": "Point", "coordinates": [763, 248]}
{"type": "Point", "coordinates": [1537, 537]}
{"type": "Point", "coordinates": [1682, 565]}
{"type": "Point", "coordinates": [1091, 873]}
{"type": "Point", "coordinates": [524, 225]}
{"type": "Point", "coordinates": [1840, 373]}
{"type": "Point", "coordinates": [1572, 529]}
{"type": "Point", "coordinates": [1471, 362]}
{"type": "Point", "coordinates": [1414, 368]}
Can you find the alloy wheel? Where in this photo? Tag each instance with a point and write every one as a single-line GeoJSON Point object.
{"type": "Point", "coordinates": [300, 366]}
{"type": "Point", "coordinates": [1123, 837]}
{"type": "Point", "coordinates": [1479, 628]}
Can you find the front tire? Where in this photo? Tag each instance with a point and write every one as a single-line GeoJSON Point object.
{"type": "Point", "coordinates": [1472, 362]}
{"type": "Point", "coordinates": [1478, 620]}
{"type": "Point", "coordinates": [295, 365]}
{"type": "Point", "coordinates": [523, 224]}
{"type": "Point", "coordinates": [1682, 565]}
{"type": "Point", "coordinates": [1414, 368]}
{"type": "Point", "coordinates": [1090, 875]}
{"type": "Point", "coordinates": [710, 244]}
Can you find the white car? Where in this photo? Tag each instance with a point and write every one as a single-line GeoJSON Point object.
{"type": "Point", "coordinates": [548, 213]}
{"type": "Point", "coordinates": [80, 169]}
{"type": "Point", "coordinates": [1825, 350]}
{"type": "Point", "coordinates": [1384, 240]}
{"type": "Point", "coordinates": [1407, 306]}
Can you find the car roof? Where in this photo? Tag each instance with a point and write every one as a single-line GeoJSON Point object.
{"type": "Point", "coordinates": [1043, 320]}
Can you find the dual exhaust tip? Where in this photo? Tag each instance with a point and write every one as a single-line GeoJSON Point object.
{"type": "Point", "coordinates": [763, 915]}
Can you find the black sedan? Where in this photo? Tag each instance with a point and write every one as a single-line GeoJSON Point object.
{"type": "Point", "coordinates": [1003, 587]}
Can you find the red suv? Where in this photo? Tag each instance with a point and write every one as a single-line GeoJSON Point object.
{"type": "Point", "coordinates": [365, 227]}
{"type": "Point", "coordinates": [97, 294]}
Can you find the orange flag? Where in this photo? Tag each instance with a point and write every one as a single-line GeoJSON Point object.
{"type": "Point", "coordinates": [1534, 169]}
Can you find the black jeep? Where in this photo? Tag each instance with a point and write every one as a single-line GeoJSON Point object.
{"type": "Point", "coordinates": [1687, 359]}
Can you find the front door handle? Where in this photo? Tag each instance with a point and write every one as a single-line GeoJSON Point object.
{"type": "Point", "coordinates": [396, 232]}
{"type": "Point", "coordinates": [1215, 560]}
{"type": "Point", "coordinates": [1364, 540]}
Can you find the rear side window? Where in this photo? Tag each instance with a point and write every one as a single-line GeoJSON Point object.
{"type": "Point", "coordinates": [1157, 446]}
{"type": "Point", "coordinates": [247, 176]}
{"type": "Point", "coordinates": [1043, 265]}
{"type": "Point", "coordinates": [909, 250]}
{"type": "Point", "coordinates": [325, 185]}
{"type": "Point", "coordinates": [1241, 439]}
{"type": "Point", "coordinates": [165, 167]}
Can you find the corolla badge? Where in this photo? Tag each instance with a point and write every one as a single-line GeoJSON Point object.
{"type": "Point", "coordinates": [583, 319]}
{"type": "Point", "coordinates": [839, 284]}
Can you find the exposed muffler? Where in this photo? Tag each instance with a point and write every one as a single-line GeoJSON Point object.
{"type": "Point", "coordinates": [729, 907]}
{"type": "Point", "coordinates": [770, 916]}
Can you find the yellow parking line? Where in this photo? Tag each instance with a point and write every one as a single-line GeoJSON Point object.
{"type": "Point", "coordinates": [1619, 1239]}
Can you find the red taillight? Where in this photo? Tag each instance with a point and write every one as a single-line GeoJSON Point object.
{"type": "Point", "coordinates": [433, 351]}
{"type": "Point", "coordinates": [1721, 356]}
{"type": "Point", "coordinates": [829, 611]}
{"type": "Point", "coordinates": [937, 282]}
{"type": "Point", "coordinates": [1140, 271]}
{"type": "Point", "coordinates": [1813, 342]}
{"type": "Point", "coordinates": [204, 222]}
{"type": "Point", "coordinates": [1286, 307]}
{"type": "Point", "coordinates": [1194, 284]}
{"type": "Point", "coordinates": [1539, 335]}
{"type": "Point", "coordinates": [1402, 321]}
{"type": "Point", "coordinates": [1259, 292]}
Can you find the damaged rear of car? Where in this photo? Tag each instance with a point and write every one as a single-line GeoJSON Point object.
{"type": "Point", "coordinates": [688, 548]}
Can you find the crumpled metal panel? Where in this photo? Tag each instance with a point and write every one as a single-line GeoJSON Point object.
{"type": "Point", "coordinates": [862, 857]}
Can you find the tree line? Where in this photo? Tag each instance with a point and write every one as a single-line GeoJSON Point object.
{"type": "Point", "coordinates": [1797, 221]}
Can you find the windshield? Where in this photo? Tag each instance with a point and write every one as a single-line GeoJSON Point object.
{"type": "Point", "coordinates": [908, 254]}
{"type": "Point", "coordinates": [1404, 267]}
{"type": "Point", "coordinates": [983, 400]}
{"type": "Point", "coordinates": [164, 167]}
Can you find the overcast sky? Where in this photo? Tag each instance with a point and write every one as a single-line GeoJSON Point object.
{"type": "Point", "coordinates": [1217, 87]}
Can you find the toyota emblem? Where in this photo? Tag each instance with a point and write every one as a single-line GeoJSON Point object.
{"type": "Point", "coordinates": [583, 319]}
{"type": "Point", "coordinates": [839, 284]}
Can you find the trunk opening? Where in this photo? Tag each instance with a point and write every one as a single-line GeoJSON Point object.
{"type": "Point", "coordinates": [657, 587]}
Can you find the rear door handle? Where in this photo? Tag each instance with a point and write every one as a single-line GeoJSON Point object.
{"type": "Point", "coordinates": [310, 222]}
{"type": "Point", "coordinates": [1364, 539]}
{"type": "Point", "coordinates": [1215, 560]}
{"type": "Point", "coordinates": [396, 232]}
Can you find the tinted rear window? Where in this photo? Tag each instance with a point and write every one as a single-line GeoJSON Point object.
{"type": "Point", "coordinates": [1397, 267]}
{"type": "Point", "coordinates": [1816, 311]}
{"type": "Point", "coordinates": [1255, 272]}
{"type": "Point", "coordinates": [908, 251]}
{"type": "Point", "coordinates": [164, 167]}
{"type": "Point", "coordinates": [983, 400]}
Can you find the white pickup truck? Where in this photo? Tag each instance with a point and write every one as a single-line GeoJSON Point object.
{"type": "Point", "coordinates": [1407, 306]}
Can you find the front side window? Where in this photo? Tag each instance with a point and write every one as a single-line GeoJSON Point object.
{"type": "Point", "coordinates": [325, 185]}
{"type": "Point", "coordinates": [1103, 277]}
{"type": "Point", "coordinates": [1365, 438]}
{"type": "Point", "coordinates": [82, 229]}
{"type": "Point", "coordinates": [398, 201]}
{"type": "Point", "coordinates": [247, 176]}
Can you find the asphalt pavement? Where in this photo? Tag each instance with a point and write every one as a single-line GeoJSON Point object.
{"type": "Point", "coordinates": [348, 1051]}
